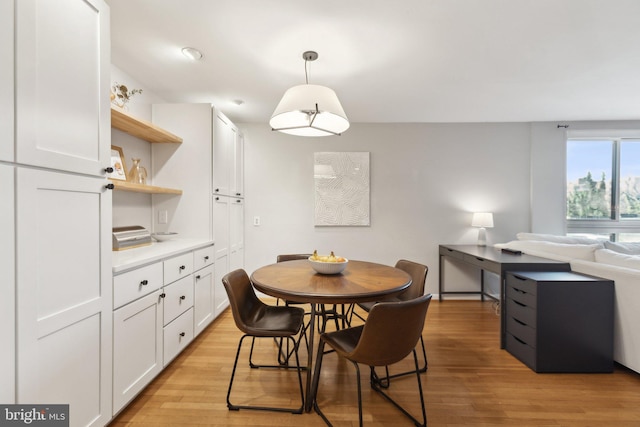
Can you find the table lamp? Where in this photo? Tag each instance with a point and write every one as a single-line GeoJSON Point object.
{"type": "Point", "coordinates": [483, 220]}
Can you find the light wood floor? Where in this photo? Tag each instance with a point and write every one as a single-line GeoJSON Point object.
{"type": "Point", "coordinates": [470, 382]}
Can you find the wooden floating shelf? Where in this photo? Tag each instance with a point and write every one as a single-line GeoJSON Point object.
{"type": "Point", "coordinates": [141, 128]}
{"type": "Point", "coordinates": [140, 188]}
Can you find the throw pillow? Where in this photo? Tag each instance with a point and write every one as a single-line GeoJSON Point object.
{"type": "Point", "coordinates": [630, 248]}
{"type": "Point", "coordinates": [606, 256]}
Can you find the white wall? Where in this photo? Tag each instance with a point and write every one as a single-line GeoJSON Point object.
{"type": "Point", "coordinates": [426, 180]}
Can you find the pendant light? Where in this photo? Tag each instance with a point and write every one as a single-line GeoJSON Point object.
{"type": "Point", "coordinates": [309, 110]}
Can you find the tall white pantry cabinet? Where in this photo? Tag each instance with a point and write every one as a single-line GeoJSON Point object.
{"type": "Point", "coordinates": [56, 261]}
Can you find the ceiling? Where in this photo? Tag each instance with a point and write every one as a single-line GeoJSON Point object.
{"type": "Point", "coordinates": [391, 60]}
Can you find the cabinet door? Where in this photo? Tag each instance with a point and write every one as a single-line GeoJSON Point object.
{"type": "Point", "coordinates": [7, 285]}
{"type": "Point", "coordinates": [62, 85]}
{"type": "Point", "coordinates": [64, 292]}
{"type": "Point", "coordinates": [223, 146]}
{"type": "Point", "coordinates": [236, 234]}
{"type": "Point", "coordinates": [6, 75]}
{"type": "Point", "coordinates": [203, 300]}
{"type": "Point", "coordinates": [222, 250]}
{"type": "Point", "coordinates": [137, 347]}
{"type": "Point", "coordinates": [238, 164]}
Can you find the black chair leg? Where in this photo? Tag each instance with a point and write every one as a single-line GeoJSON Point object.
{"type": "Point", "coordinates": [298, 368]}
{"type": "Point", "coordinates": [386, 380]}
{"type": "Point", "coordinates": [375, 386]}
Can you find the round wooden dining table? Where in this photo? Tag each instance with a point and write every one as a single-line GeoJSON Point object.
{"type": "Point", "coordinates": [297, 281]}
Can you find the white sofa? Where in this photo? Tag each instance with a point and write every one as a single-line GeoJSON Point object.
{"type": "Point", "coordinates": [619, 262]}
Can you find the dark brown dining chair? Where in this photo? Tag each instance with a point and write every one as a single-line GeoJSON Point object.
{"type": "Point", "coordinates": [389, 334]}
{"type": "Point", "coordinates": [418, 273]}
{"type": "Point", "coordinates": [259, 320]}
{"type": "Point", "coordinates": [282, 354]}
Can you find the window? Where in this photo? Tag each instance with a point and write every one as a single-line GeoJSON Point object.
{"type": "Point", "coordinates": [603, 185]}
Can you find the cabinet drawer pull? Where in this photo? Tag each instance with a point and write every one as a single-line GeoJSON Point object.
{"type": "Point", "coordinates": [216, 190]}
{"type": "Point", "coordinates": [480, 259]}
{"type": "Point", "coordinates": [519, 303]}
{"type": "Point", "coordinates": [162, 295]}
{"type": "Point", "coordinates": [217, 198]}
{"type": "Point", "coordinates": [519, 340]}
{"type": "Point", "coordinates": [238, 201]}
{"type": "Point", "coordinates": [522, 279]}
{"type": "Point", "coordinates": [108, 169]}
{"type": "Point", "coordinates": [198, 277]}
{"type": "Point", "coordinates": [110, 186]}
{"type": "Point", "coordinates": [182, 297]}
{"type": "Point", "coordinates": [206, 258]}
{"type": "Point", "coordinates": [182, 334]}
{"type": "Point", "coordinates": [182, 267]}
{"type": "Point", "coordinates": [519, 322]}
{"type": "Point", "coordinates": [238, 194]}
{"type": "Point", "coordinates": [520, 291]}
{"type": "Point", "coordinates": [145, 282]}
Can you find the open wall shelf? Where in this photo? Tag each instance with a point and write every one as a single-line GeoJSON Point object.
{"type": "Point", "coordinates": [140, 188]}
{"type": "Point", "coordinates": [142, 129]}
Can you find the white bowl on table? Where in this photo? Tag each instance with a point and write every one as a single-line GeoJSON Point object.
{"type": "Point", "coordinates": [328, 267]}
{"type": "Point", "coordinates": [164, 236]}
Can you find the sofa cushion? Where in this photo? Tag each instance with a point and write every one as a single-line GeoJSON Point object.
{"type": "Point", "coordinates": [563, 250]}
{"type": "Point", "coordinates": [606, 256]}
{"type": "Point", "coordinates": [558, 239]}
{"type": "Point", "coordinates": [630, 248]}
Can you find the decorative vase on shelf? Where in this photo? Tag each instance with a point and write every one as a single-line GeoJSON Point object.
{"type": "Point", "coordinates": [138, 174]}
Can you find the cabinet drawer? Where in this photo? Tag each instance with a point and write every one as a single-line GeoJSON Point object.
{"type": "Point", "coordinates": [519, 294]}
{"type": "Point", "coordinates": [485, 264]}
{"type": "Point", "coordinates": [524, 314]}
{"type": "Point", "coordinates": [178, 297]}
{"type": "Point", "coordinates": [451, 253]}
{"type": "Point", "coordinates": [203, 257]}
{"type": "Point", "coordinates": [177, 335]}
{"type": "Point", "coordinates": [522, 283]}
{"type": "Point", "coordinates": [521, 331]}
{"type": "Point", "coordinates": [137, 283]}
{"type": "Point", "coordinates": [521, 351]}
{"type": "Point", "coordinates": [178, 267]}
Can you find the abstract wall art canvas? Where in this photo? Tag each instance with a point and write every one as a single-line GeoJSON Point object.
{"type": "Point", "coordinates": [341, 188]}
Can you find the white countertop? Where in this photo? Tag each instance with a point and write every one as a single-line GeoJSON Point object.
{"type": "Point", "coordinates": [133, 258]}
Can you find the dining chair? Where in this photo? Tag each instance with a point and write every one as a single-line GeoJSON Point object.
{"type": "Point", "coordinates": [282, 355]}
{"type": "Point", "coordinates": [259, 320]}
{"type": "Point", "coordinates": [418, 273]}
{"type": "Point", "coordinates": [389, 334]}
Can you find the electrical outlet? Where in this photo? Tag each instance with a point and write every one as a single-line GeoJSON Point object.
{"type": "Point", "coordinates": [256, 221]}
{"type": "Point", "coordinates": [163, 217]}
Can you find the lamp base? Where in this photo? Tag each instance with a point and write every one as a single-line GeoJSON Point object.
{"type": "Point", "coordinates": [482, 236]}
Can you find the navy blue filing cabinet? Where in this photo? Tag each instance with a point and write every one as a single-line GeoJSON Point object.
{"type": "Point", "coordinates": [560, 321]}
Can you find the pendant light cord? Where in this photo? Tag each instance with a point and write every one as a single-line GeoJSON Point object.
{"type": "Point", "coordinates": [306, 74]}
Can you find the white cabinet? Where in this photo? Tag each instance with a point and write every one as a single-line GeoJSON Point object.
{"type": "Point", "coordinates": [137, 347]}
{"type": "Point", "coordinates": [204, 290]}
{"type": "Point", "coordinates": [236, 233]}
{"type": "Point", "coordinates": [222, 250]}
{"type": "Point", "coordinates": [62, 84]}
{"type": "Point", "coordinates": [6, 75]}
{"type": "Point", "coordinates": [154, 317]}
{"type": "Point", "coordinates": [228, 157]}
{"type": "Point", "coordinates": [224, 134]}
{"type": "Point", "coordinates": [63, 266]}
{"type": "Point", "coordinates": [7, 285]}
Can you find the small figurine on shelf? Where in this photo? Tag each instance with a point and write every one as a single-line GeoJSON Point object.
{"type": "Point", "coordinates": [138, 174]}
{"type": "Point", "coordinates": [120, 95]}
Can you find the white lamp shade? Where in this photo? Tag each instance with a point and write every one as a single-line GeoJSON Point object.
{"type": "Point", "coordinates": [295, 112]}
{"type": "Point", "coordinates": [482, 219]}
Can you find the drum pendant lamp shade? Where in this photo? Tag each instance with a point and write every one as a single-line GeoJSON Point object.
{"type": "Point", "coordinates": [309, 110]}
